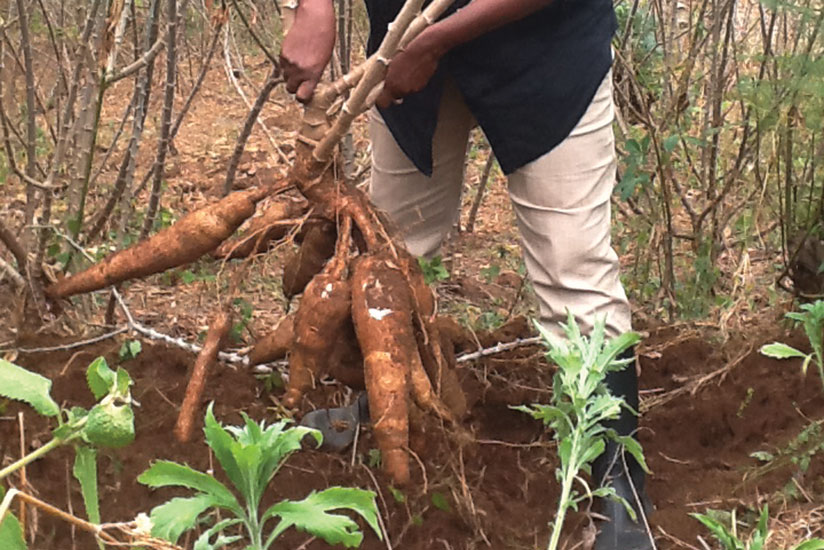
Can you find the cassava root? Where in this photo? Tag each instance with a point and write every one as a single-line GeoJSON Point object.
{"type": "Point", "coordinates": [207, 357]}
{"type": "Point", "coordinates": [355, 277]}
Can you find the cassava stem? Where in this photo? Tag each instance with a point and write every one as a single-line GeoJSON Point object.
{"type": "Point", "coordinates": [429, 15]}
{"type": "Point", "coordinates": [374, 74]}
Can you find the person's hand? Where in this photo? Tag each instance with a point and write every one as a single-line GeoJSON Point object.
{"type": "Point", "coordinates": [411, 69]}
{"type": "Point", "coordinates": [307, 47]}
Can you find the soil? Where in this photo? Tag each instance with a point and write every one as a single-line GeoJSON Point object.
{"type": "Point", "coordinates": [496, 492]}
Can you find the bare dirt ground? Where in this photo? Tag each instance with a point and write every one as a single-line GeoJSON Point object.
{"type": "Point", "coordinates": [709, 399]}
{"type": "Point", "coordinates": [706, 410]}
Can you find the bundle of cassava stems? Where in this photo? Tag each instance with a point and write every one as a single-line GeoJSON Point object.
{"type": "Point", "coordinates": [355, 277]}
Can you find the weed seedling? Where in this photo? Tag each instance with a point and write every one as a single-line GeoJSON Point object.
{"type": "Point", "coordinates": [109, 423]}
{"type": "Point", "coordinates": [433, 270]}
{"type": "Point", "coordinates": [580, 405]}
{"type": "Point", "coordinates": [251, 455]}
{"type": "Point", "coordinates": [811, 318]}
{"type": "Point", "coordinates": [729, 539]}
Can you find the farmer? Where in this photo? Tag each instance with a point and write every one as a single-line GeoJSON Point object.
{"type": "Point", "coordinates": [535, 75]}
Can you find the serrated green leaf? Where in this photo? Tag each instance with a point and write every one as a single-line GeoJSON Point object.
{"type": "Point", "coordinates": [670, 143]}
{"type": "Point", "coordinates": [633, 447]}
{"type": "Point", "coordinates": [777, 350]}
{"type": "Point", "coordinates": [221, 444]}
{"type": "Point", "coordinates": [85, 471]}
{"type": "Point", "coordinates": [109, 425]}
{"type": "Point", "coordinates": [603, 492]}
{"type": "Point", "coordinates": [812, 544]}
{"type": "Point", "coordinates": [594, 451]}
{"type": "Point", "coordinates": [551, 416]}
{"type": "Point", "coordinates": [11, 534]}
{"type": "Point", "coordinates": [171, 474]}
{"type": "Point", "coordinates": [130, 349]}
{"type": "Point", "coordinates": [100, 378]}
{"type": "Point", "coordinates": [22, 385]}
{"type": "Point", "coordinates": [312, 515]}
{"type": "Point", "coordinates": [204, 541]}
{"type": "Point", "coordinates": [171, 519]}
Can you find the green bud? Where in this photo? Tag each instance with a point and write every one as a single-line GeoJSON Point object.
{"type": "Point", "coordinates": [110, 425]}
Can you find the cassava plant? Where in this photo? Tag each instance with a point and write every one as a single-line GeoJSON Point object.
{"type": "Point", "coordinates": [811, 318]}
{"type": "Point", "coordinates": [251, 455]}
{"type": "Point", "coordinates": [109, 423]}
{"type": "Point", "coordinates": [580, 404]}
{"type": "Point", "coordinates": [729, 539]}
{"type": "Point", "coordinates": [355, 275]}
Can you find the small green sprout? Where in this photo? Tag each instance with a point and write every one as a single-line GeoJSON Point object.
{"type": "Point", "coordinates": [251, 455]}
{"type": "Point", "coordinates": [811, 318]}
{"type": "Point", "coordinates": [433, 270]}
{"type": "Point", "coordinates": [728, 536]}
{"type": "Point", "coordinates": [109, 423]}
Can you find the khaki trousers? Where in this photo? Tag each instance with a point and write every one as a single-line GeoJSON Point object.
{"type": "Point", "coordinates": [561, 201]}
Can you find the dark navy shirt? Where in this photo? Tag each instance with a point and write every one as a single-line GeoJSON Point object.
{"type": "Point", "coordinates": [527, 83]}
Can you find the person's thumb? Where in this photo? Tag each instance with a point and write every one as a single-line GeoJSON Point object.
{"type": "Point", "coordinates": [306, 90]}
{"type": "Point", "coordinates": [384, 99]}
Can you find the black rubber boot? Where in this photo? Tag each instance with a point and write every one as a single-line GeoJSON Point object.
{"type": "Point", "coordinates": [618, 531]}
{"type": "Point", "coordinates": [338, 425]}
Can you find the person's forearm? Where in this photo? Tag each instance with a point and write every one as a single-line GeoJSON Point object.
{"type": "Point", "coordinates": [479, 17]}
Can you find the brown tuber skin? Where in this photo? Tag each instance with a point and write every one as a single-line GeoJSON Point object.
{"type": "Point", "coordinates": [380, 310]}
{"type": "Point", "coordinates": [345, 364]}
{"type": "Point", "coordinates": [194, 235]}
{"type": "Point", "coordinates": [381, 292]}
{"type": "Point", "coordinates": [263, 230]}
{"type": "Point", "coordinates": [317, 247]}
{"type": "Point", "coordinates": [207, 357]}
{"type": "Point", "coordinates": [324, 309]}
{"type": "Point", "coordinates": [276, 344]}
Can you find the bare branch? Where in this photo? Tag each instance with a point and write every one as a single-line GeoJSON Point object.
{"type": "Point", "coordinates": [251, 118]}
{"type": "Point", "coordinates": [14, 246]}
{"type": "Point", "coordinates": [135, 66]}
{"type": "Point", "coordinates": [230, 75]}
{"type": "Point", "coordinates": [261, 45]}
{"type": "Point", "coordinates": [13, 274]}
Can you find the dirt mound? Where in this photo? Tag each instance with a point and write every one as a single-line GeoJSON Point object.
{"type": "Point", "coordinates": [706, 410]}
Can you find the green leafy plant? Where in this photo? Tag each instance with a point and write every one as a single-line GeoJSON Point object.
{"type": "Point", "coordinates": [433, 270]}
{"type": "Point", "coordinates": [109, 423]}
{"type": "Point", "coordinates": [811, 318]}
{"type": "Point", "coordinates": [251, 456]}
{"type": "Point", "coordinates": [799, 452]}
{"type": "Point", "coordinates": [729, 539]}
{"type": "Point", "coordinates": [580, 405]}
{"type": "Point", "coordinates": [129, 350]}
